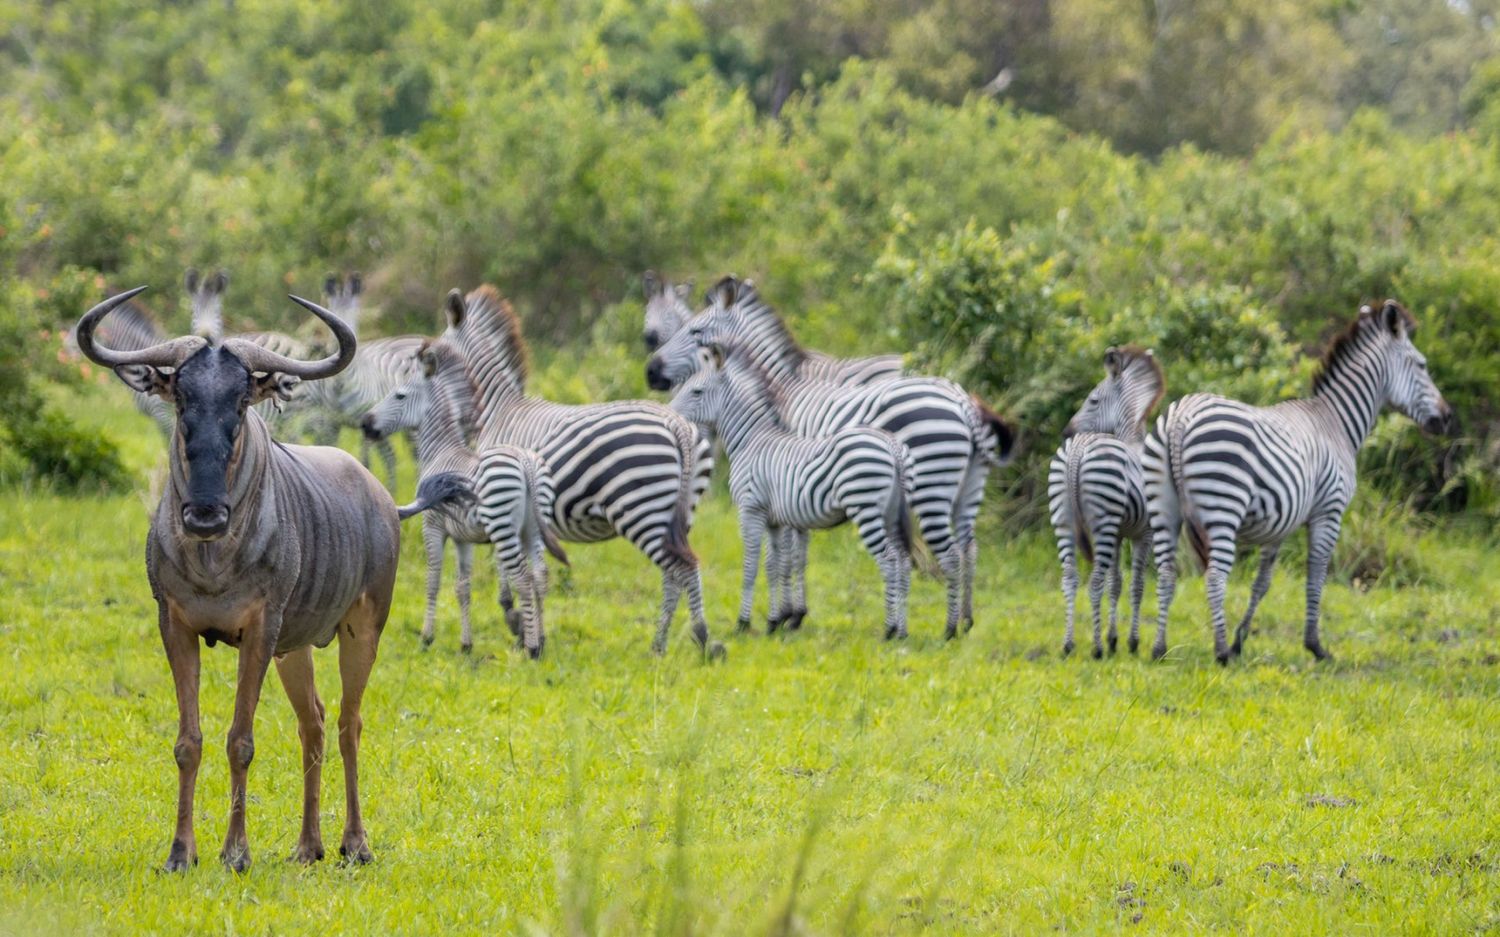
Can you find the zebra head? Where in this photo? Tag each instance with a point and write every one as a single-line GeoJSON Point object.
{"type": "Point", "coordinates": [1133, 384]}
{"type": "Point", "coordinates": [211, 383]}
{"type": "Point", "coordinates": [207, 297]}
{"type": "Point", "coordinates": [667, 308]}
{"type": "Point", "coordinates": [675, 361]}
{"type": "Point", "coordinates": [409, 401]}
{"type": "Point", "coordinates": [701, 397]}
{"type": "Point", "coordinates": [341, 295]}
{"type": "Point", "coordinates": [1408, 386]}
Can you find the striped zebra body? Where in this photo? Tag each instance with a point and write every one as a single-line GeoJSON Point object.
{"type": "Point", "coordinates": [514, 493]}
{"type": "Point", "coordinates": [625, 468]}
{"type": "Point", "coordinates": [953, 439]}
{"type": "Point", "coordinates": [1096, 494]}
{"type": "Point", "coordinates": [1236, 473]}
{"type": "Point", "coordinates": [132, 328]}
{"type": "Point", "coordinates": [784, 482]}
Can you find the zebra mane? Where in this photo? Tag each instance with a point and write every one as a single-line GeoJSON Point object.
{"type": "Point", "coordinates": [450, 376]}
{"type": "Point", "coordinates": [1133, 357]}
{"type": "Point", "coordinates": [491, 315]}
{"type": "Point", "coordinates": [740, 363]}
{"type": "Point", "coordinates": [758, 314]}
{"type": "Point", "coordinates": [1346, 344]}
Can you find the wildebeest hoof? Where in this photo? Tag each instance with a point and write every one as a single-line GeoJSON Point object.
{"type": "Point", "coordinates": [716, 651]}
{"type": "Point", "coordinates": [307, 853]}
{"type": "Point", "coordinates": [355, 850]}
{"type": "Point", "coordinates": [181, 857]}
{"type": "Point", "coordinates": [1068, 648]}
{"type": "Point", "coordinates": [235, 858]}
{"type": "Point", "coordinates": [742, 625]}
{"type": "Point", "coordinates": [1133, 645]}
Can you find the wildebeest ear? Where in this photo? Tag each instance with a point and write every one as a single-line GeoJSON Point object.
{"type": "Point", "coordinates": [684, 291]}
{"type": "Point", "coordinates": [275, 384]}
{"type": "Point", "coordinates": [146, 380]}
{"type": "Point", "coordinates": [650, 285]}
{"type": "Point", "coordinates": [455, 308]}
{"type": "Point", "coordinates": [1112, 360]}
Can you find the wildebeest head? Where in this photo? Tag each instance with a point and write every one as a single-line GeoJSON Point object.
{"type": "Point", "coordinates": [211, 384]}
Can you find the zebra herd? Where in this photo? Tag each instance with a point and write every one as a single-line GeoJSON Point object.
{"type": "Point", "coordinates": [813, 441]}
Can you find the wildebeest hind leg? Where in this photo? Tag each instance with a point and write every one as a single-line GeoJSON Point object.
{"type": "Point", "coordinates": [359, 638]}
{"type": "Point", "coordinates": [182, 654]}
{"type": "Point", "coordinates": [296, 672]}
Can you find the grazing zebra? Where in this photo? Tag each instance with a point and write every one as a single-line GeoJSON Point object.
{"type": "Point", "coordinates": [621, 469]}
{"type": "Point", "coordinates": [1238, 473]}
{"type": "Point", "coordinates": [515, 492]}
{"type": "Point", "coordinates": [737, 313]}
{"type": "Point", "coordinates": [1096, 493]}
{"type": "Point", "coordinates": [132, 328]}
{"type": "Point", "coordinates": [953, 438]}
{"type": "Point", "coordinates": [667, 308]}
{"type": "Point", "coordinates": [782, 481]}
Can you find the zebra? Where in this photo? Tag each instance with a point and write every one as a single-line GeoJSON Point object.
{"type": "Point", "coordinates": [1095, 489]}
{"type": "Point", "coordinates": [735, 311]}
{"type": "Point", "coordinates": [132, 328]}
{"type": "Point", "coordinates": [514, 492]}
{"type": "Point", "coordinates": [625, 468]}
{"type": "Point", "coordinates": [954, 439]}
{"type": "Point", "coordinates": [667, 308]}
{"type": "Point", "coordinates": [782, 481]}
{"type": "Point", "coordinates": [1239, 473]}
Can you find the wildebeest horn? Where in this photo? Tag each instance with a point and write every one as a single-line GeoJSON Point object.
{"type": "Point", "coordinates": [264, 361]}
{"type": "Point", "coordinates": [164, 355]}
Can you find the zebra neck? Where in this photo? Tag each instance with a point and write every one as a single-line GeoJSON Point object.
{"type": "Point", "coordinates": [498, 392]}
{"type": "Point", "coordinates": [745, 423]}
{"type": "Point", "coordinates": [772, 348]}
{"type": "Point", "coordinates": [441, 433]}
{"type": "Point", "coordinates": [1350, 401]}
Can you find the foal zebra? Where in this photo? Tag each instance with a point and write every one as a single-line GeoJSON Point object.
{"type": "Point", "coordinates": [1238, 473]}
{"type": "Point", "coordinates": [514, 495]}
{"type": "Point", "coordinates": [1095, 490]}
{"type": "Point", "coordinates": [623, 469]}
{"type": "Point", "coordinates": [132, 328]}
{"type": "Point", "coordinates": [783, 481]}
{"type": "Point", "coordinates": [953, 438]}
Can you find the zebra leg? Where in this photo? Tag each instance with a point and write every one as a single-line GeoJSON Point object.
{"type": "Point", "coordinates": [797, 578]}
{"type": "Point", "coordinates": [776, 560]}
{"type": "Point", "coordinates": [952, 566]}
{"type": "Point", "coordinates": [1140, 550]}
{"type": "Point", "coordinates": [966, 516]}
{"type": "Point", "coordinates": [752, 528]}
{"type": "Point", "coordinates": [1322, 537]}
{"type": "Point", "coordinates": [1257, 592]}
{"type": "Point", "coordinates": [1216, 582]}
{"type": "Point", "coordinates": [691, 582]}
{"type": "Point", "coordinates": [465, 554]}
{"type": "Point", "coordinates": [895, 568]}
{"type": "Point", "coordinates": [1097, 580]}
{"type": "Point", "coordinates": [1116, 581]}
{"type": "Point", "coordinates": [508, 606]}
{"type": "Point", "coordinates": [1164, 549]}
{"type": "Point", "coordinates": [1066, 555]}
{"type": "Point", "coordinates": [671, 591]}
{"type": "Point", "coordinates": [432, 539]}
{"type": "Point", "coordinates": [388, 457]}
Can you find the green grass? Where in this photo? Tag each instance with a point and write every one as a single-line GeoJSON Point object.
{"type": "Point", "coordinates": [825, 782]}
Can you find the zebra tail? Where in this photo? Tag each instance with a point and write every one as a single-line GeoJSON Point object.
{"type": "Point", "coordinates": [437, 490]}
{"type": "Point", "coordinates": [538, 515]}
{"type": "Point", "coordinates": [676, 543]}
{"type": "Point", "coordinates": [1073, 486]}
{"type": "Point", "coordinates": [898, 510]}
{"type": "Point", "coordinates": [996, 442]}
{"type": "Point", "coordinates": [1197, 534]}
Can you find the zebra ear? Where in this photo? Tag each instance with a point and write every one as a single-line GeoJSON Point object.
{"type": "Point", "coordinates": [1112, 361]}
{"type": "Point", "coordinates": [456, 308]}
{"type": "Point", "coordinates": [217, 283]}
{"type": "Point", "coordinates": [1392, 318]}
{"type": "Point", "coordinates": [190, 280]}
{"type": "Point", "coordinates": [429, 361]}
{"type": "Point", "coordinates": [723, 292]}
{"type": "Point", "coordinates": [650, 284]}
{"type": "Point", "coordinates": [330, 285]}
{"type": "Point", "coordinates": [684, 291]}
{"type": "Point", "coordinates": [718, 354]}
{"type": "Point", "coordinates": [356, 283]}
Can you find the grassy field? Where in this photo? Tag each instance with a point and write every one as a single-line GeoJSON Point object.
{"type": "Point", "coordinates": [822, 782]}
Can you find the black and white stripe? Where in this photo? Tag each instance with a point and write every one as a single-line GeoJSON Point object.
{"type": "Point", "coordinates": [132, 328]}
{"type": "Point", "coordinates": [1236, 473]}
{"type": "Point", "coordinates": [1096, 492]}
{"type": "Point", "coordinates": [783, 482]}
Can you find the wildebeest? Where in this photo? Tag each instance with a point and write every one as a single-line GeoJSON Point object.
{"type": "Point", "coordinates": [269, 548]}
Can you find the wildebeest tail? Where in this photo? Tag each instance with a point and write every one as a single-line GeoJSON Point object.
{"type": "Point", "coordinates": [1073, 491]}
{"type": "Point", "coordinates": [444, 488]}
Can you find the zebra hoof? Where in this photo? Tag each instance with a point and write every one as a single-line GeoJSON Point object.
{"type": "Point", "coordinates": [1068, 648]}
{"type": "Point", "coordinates": [1112, 642]}
{"type": "Point", "coordinates": [950, 633]}
{"type": "Point", "coordinates": [466, 648]}
{"type": "Point", "coordinates": [795, 622]}
{"type": "Point", "coordinates": [1317, 651]}
{"type": "Point", "coordinates": [1158, 651]}
{"type": "Point", "coordinates": [890, 632]}
{"type": "Point", "coordinates": [1133, 645]}
{"type": "Point", "coordinates": [716, 651]}
{"type": "Point", "coordinates": [513, 621]}
{"type": "Point", "coordinates": [1098, 652]}
{"type": "Point", "coordinates": [535, 653]}
{"type": "Point", "coordinates": [1222, 657]}
{"type": "Point", "coordinates": [742, 625]}
{"type": "Point", "coordinates": [968, 625]}
{"type": "Point", "coordinates": [773, 625]}
{"type": "Point", "coordinates": [427, 641]}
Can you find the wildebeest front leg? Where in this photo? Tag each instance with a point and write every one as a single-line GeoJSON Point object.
{"type": "Point", "coordinates": [182, 655]}
{"type": "Point", "coordinates": [359, 638]}
{"type": "Point", "coordinates": [257, 639]}
{"type": "Point", "coordinates": [296, 672]}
